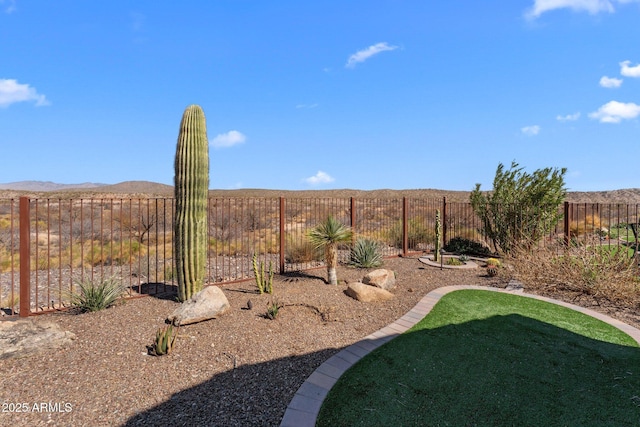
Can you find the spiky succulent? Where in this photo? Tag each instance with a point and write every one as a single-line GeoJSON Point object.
{"type": "Point", "coordinates": [366, 253]}
{"type": "Point", "coordinates": [165, 339]}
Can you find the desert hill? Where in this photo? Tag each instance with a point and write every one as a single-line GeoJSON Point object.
{"type": "Point", "coordinates": [144, 189]}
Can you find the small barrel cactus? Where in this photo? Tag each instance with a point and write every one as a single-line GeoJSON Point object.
{"type": "Point", "coordinates": [191, 194]}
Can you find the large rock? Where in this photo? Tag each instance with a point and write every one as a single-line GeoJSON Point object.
{"type": "Point", "coordinates": [381, 278]}
{"type": "Point", "coordinates": [24, 337]}
{"type": "Point", "coordinates": [367, 293]}
{"type": "Point", "coordinates": [207, 304]}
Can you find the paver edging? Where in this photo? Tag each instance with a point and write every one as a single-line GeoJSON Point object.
{"type": "Point", "coordinates": [303, 409]}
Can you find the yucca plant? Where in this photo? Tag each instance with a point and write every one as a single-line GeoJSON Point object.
{"type": "Point", "coordinates": [366, 253]}
{"type": "Point", "coordinates": [328, 235]}
{"type": "Point", "coordinates": [95, 296]}
{"type": "Point", "coordinates": [165, 339]}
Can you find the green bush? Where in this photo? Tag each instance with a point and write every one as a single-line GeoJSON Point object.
{"type": "Point", "coordinates": [366, 253]}
{"type": "Point", "coordinates": [460, 245]}
{"type": "Point", "coordinates": [521, 208]}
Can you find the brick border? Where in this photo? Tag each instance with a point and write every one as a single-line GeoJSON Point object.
{"type": "Point", "coordinates": [305, 406]}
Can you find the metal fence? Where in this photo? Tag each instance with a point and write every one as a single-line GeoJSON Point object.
{"type": "Point", "coordinates": [47, 246]}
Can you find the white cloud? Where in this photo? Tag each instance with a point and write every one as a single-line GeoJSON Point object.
{"type": "Point", "coordinates": [628, 71]}
{"type": "Point", "coordinates": [615, 112]}
{"type": "Point", "coordinates": [530, 130]}
{"type": "Point", "coordinates": [364, 54]}
{"type": "Point", "coordinates": [9, 6]}
{"type": "Point", "coordinates": [610, 82]}
{"type": "Point", "coordinates": [591, 6]}
{"type": "Point", "coordinates": [138, 21]}
{"type": "Point", "coordinates": [11, 92]}
{"type": "Point", "coordinates": [569, 117]}
{"type": "Point", "coordinates": [306, 106]}
{"type": "Point", "coordinates": [319, 178]}
{"type": "Point", "coordinates": [231, 138]}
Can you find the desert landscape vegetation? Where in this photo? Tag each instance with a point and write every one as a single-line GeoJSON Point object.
{"type": "Point", "coordinates": [244, 367]}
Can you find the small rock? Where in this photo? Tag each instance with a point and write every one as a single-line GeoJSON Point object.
{"type": "Point", "coordinates": [381, 278]}
{"type": "Point", "coordinates": [24, 337]}
{"type": "Point", "coordinates": [367, 293]}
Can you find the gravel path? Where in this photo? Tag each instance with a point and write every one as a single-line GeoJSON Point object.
{"type": "Point", "coordinates": [239, 370]}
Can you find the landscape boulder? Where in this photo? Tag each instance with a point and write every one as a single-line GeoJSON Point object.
{"type": "Point", "coordinates": [207, 304]}
{"type": "Point", "coordinates": [25, 337]}
{"type": "Point", "coordinates": [367, 293]}
{"type": "Point", "coordinates": [381, 278]}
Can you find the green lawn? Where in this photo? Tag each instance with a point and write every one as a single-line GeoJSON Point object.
{"type": "Point", "coordinates": [483, 358]}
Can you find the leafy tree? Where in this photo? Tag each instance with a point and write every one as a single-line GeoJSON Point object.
{"type": "Point", "coordinates": [328, 235]}
{"type": "Point", "coordinates": [522, 208]}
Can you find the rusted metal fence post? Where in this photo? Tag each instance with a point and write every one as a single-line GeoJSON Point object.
{"type": "Point", "coordinates": [444, 221]}
{"type": "Point", "coordinates": [282, 234]}
{"type": "Point", "coordinates": [405, 227]}
{"type": "Point", "coordinates": [567, 223]}
{"type": "Point", "coordinates": [352, 207]}
{"type": "Point", "coordinates": [25, 258]}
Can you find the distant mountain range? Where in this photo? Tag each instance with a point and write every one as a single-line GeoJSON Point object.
{"type": "Point", "coordinates": [46, 186]}
{"type": "Point", "coordinates": [154, 189]}
{"type": "Point", "coordinates": [87, 188]}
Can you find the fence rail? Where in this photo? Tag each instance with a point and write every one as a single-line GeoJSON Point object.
{"type": "Point", "coordinates": [48, 245]}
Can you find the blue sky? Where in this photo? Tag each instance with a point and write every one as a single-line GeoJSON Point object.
{"type": "Point", "coordinates": [362, 94]}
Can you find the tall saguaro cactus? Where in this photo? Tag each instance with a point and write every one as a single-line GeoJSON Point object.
{"type": "Point", "coordinates": [191, 191]}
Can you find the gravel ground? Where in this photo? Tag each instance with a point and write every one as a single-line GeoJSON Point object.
{"type": "Point", "coordinates": [239, 370]}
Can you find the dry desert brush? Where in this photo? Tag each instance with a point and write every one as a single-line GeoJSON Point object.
{"type": "Point", "coordinates": [600, 273]}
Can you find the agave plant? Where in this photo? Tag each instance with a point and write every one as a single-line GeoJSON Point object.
{"type": "Point", "coordinates": [328, 235]}
{"type": "Point", "coordinates": [366, 253]}
{"type": "Point", "coordinates": [95, 296]}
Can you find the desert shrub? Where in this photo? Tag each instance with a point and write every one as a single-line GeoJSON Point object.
{"type": "Point", "coordinates": [460, 245]}
{"type": "Point", "coordinates": [590, 224]}
{"type": "Point", "coordinates": [97, 295]}
{"type": "Point", "coordinates": [301, 250]}
{"type": "Point", "coordinates": [585, 270]}
{"type": "Point", "coordinates": [366, 253]}
{"type": "Point", "coordinates": [417, 232]}
{"type": "Point", "coordinates": [522, 208]}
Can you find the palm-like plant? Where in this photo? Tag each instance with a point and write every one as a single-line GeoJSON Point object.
{"type": "Point", "coordinates": [328, 235]}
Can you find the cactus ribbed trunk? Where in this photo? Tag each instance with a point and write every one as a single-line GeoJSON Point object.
{"type": "Point", "coordinates": [436, 251]}
{"type": "Point", "coordinates": [191, 193]}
